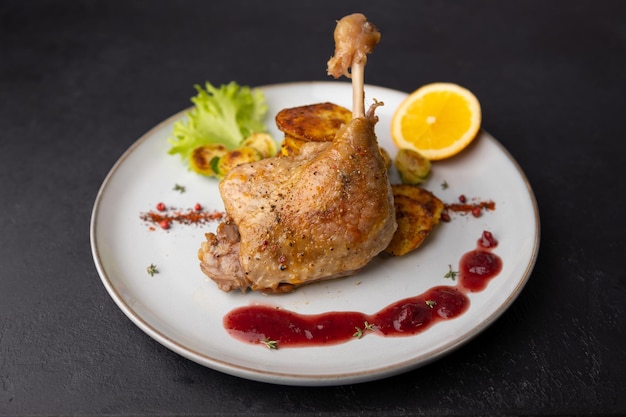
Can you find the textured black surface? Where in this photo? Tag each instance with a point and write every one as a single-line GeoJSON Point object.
{"type": "Point", "coordinates": [81, 81]}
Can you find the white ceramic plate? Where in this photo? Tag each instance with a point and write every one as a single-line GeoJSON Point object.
{"type": "Point", "coordinates": [183, 311]}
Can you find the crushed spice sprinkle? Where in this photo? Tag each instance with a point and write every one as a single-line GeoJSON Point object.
{"type": "Point", "coordinates": [475, 208]}
{"type": "Point", "coordinates": [190, 216]}
{"type": "Point", "coordinates": [468, 207]}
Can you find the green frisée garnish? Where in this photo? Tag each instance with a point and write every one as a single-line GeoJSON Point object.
{"type": "Point", "coordinates": [226, 116]}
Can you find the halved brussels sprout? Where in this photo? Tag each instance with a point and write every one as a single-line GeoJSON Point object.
{"type": "Point", "coordinates": [412, 166]}
{"type": "Point", "coordinates": [236, 157]}
{"type": "Point", "coordinates": [201, 157]}
{"type": "Point", "coordinates": [262, 142]}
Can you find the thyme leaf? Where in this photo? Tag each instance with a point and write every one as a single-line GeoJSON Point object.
{"type": "Point", "coordinates": [179, 188]}
{"type": "Point", "coordinates": [451, 274]}
{"type": "Point", "coordinates": [152, 269]}
{"type": "Point", "coordinates": [366, 326]}
{"type": "Point", "coordinates": [431, 303]}
{"type": "Point", "coordinates": [270, 344]}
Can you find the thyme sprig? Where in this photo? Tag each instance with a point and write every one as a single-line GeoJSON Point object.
{"type": "Point", "coordinates": [451, 274]}
{"type": "Point", "coordinates": [366, 326]}
{"type": "Point", "coordinates": [270, 344]}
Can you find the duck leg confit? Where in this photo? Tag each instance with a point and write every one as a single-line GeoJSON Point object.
{"type": "Point", "coordinates": [323, 213]}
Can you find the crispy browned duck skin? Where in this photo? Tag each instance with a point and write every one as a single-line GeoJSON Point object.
{"type": "Point", "coordinates": [321, 214]}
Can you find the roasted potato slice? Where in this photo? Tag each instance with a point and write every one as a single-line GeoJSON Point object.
{"type": "Point", "coordinates": [291, 146]}
{"type": "Point", "coordinates": [422, 196]}
{"type": "Point", "coordinates": [314, 122]}
{"type": "Point", "coordinates": [417, 212]}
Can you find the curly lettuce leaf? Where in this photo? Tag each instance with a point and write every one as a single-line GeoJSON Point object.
{"type": "Point", "coordinates": [225, 115]}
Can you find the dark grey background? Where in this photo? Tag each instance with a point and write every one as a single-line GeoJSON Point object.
{"type": "Point", "coordinates": [81, 81]}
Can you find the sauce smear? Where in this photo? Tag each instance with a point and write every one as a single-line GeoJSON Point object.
{"type": "Point", "coordinates": [258, 324]}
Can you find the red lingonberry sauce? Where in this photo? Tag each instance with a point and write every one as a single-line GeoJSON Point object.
{"type": "Point", "coordinates": [410, 316]}
{"type": "Point", "coordinates": [479, 266]}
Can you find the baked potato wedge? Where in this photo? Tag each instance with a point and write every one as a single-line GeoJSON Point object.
{"type": "Point", "coordinates": [314, 122]}
{"type": "Point", "coordinates": [417, 213]}
{"type": "Point", "coordinates": [291, 146]}
{"type": "Point", "coordinates": [421, 196]}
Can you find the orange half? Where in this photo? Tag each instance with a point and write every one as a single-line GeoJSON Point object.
{"type": "Point", "coordinates": [437, 120]}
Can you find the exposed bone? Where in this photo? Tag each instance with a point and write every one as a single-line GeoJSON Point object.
{"type": "Point", "coordinates": [355, 37]}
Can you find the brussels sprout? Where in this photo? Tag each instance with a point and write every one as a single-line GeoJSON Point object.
{"type": "Point", "coordinates": [412, 166]}
{"type": "Point", "coordinates": [201, 157]}
{"type": "Point", "coordinates": [236, 157]}
{"type": "Point", "coordinates": [262, 142]}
